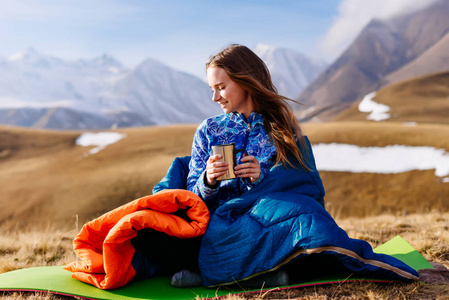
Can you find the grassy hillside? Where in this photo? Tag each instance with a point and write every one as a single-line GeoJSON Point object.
{"type": "Point", "coordinates": [423, 100]}
{"type": "Point", "coordinates": [427, 233]}
{"type": "Point", "coordinates": [46, 180]}
{"type": "Point", "coordinates": [364, 194]}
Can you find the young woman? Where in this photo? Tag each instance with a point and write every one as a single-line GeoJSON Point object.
{"type": "Point", "coordinates": [270, 221]}
{"type": "Point", "coordinates": [265, 223]}
{"type": "Point", "coordinates": [256, 118]}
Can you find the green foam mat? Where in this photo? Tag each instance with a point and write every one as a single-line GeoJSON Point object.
{"type": "Point", "coordinates": [399, 248]}
{"type": "Point", "coordinates": [59, 281]}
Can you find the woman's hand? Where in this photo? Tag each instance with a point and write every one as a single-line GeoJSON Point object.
{"type": "Point", "coordinates": [249, 168]}
{"type": "Point", "coordinates": [215, 169]}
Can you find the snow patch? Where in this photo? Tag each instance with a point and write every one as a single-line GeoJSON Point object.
{"type": "Point", "coordinates": [378, 111]}
{"type": "Point", "coordinates": [99, 139]}
{"type": "Point", "coordinates": [385, 160]}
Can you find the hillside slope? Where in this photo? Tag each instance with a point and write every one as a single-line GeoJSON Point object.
{"type": "Point", "coordinates": [424, 100]}
{"type": "Point", "coordinates": [433, 60]}
{"type": "Point", "coordinates": [382, 48]}
{"type": "Point", "coordinates": [56, 182]}
{"type": "Point", "coordinates": [47, 180]}
{"type": "Point", "coordinates": [365, 194]}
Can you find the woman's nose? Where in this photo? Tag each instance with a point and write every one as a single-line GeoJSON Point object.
{"type": "Point", "coordinates": [216, 96]}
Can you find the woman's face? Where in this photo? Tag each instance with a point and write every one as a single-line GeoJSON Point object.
{"type": "Point", "coordinates": [230, 95]}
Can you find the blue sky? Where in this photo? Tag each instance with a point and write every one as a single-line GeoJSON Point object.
{"type": "Point", "coordinates": [184, 33]}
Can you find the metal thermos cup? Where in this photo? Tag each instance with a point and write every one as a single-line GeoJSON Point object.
{"type": "Point", "coordinates": [228, 153]}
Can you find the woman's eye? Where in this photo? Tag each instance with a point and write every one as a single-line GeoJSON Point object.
{"type": "Point", "coordinates": [221, 88]}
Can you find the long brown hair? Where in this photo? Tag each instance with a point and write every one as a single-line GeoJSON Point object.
{"type": "Point", "coordinates": [245, 68]}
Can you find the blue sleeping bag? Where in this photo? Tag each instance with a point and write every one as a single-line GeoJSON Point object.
{"type": "Point", "coordinates": [281, 221]}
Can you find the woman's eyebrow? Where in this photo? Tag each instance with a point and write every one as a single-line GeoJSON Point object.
{"type": "Point", "coordinates": [217, 84]}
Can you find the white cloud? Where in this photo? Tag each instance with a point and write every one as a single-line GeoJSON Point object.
{"type": "Point", "coordinates": [353, 15]}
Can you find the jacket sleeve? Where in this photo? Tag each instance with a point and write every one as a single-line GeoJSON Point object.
{"type": "Point", "coordinates": [197, 167]}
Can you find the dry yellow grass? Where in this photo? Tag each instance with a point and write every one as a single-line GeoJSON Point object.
{"type": "Point", "coordinates": [370, 134]}
{"type": "Point", "coordinates": [428, 233]}
{"type": "Point", "coordinates": [33, 296]}
{"type": "Point", "coordinates": [35, 248]}
{"type": "Point", "coordinates": [46, 182]}
{"type": "Point", "coordinates": [364, 194]}
{"type": "Point", "coordinates": [46, 179]}
{"type": "Point", "coordinates": [30, 248]}
{"type": "Point", "coordinates": [423, 100]}
{"type": "Point", "coordinates": [53, 183]}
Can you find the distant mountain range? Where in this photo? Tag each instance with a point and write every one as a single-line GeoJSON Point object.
{"type": "Point", "coordinates": [47, 92]}
{"type": "Point", "coordinates": [41, 91]}
{"type": "Point", "coordinates": [386, 51]}
{"type": "Point", "coordinates": [291, 71]}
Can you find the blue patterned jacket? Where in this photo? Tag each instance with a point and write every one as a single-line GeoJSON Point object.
{"type": "Point", "coordinates": [247, 134]}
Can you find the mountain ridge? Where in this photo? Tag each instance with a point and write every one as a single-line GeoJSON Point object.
{"type": "Point", "coordinates": [381, 48]}
{"type": "Point", "coordinates": [48, 92]}
{"type": "Point", "coordinates": [291, 71]}
{"type": "Point", "coordinates": [44, 91]}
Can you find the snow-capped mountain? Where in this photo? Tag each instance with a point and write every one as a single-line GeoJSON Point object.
{"type": "Point", "coordinates": [42, 91]}
{"type": "Point", "coordinates": [47, 92]}
{"type": "Point", "coordinates": [172, 96]}
{"type": "Point", "coordinates": [291, 71]}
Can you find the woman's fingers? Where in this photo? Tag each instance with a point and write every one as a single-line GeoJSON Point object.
{"type": "Point", "coordinates": [215, 168]}
{"type": "Point", "coordinates": [248, 162]}
{"type": "Point", "coordinates": [217, 172]}
{"type": "Point", "coordinates": [249, 167]}
{"type": "Point", "coordinates": [213, 158]}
